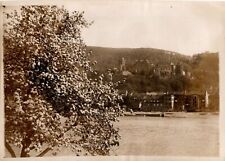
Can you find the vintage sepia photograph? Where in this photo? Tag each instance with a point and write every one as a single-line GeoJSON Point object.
{"type": "Point", "coordinates": [112, 78]}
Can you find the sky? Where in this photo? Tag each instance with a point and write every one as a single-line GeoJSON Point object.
{"type": "Point", "coordinates": [184, 27]}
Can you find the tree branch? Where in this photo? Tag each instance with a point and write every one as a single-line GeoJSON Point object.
{"type": "Point", "coordinates": [48, 149]}
{"type": "Point", "coordinates": [10, 150]}
{"type": "Point", "coordinates": [44, 152]}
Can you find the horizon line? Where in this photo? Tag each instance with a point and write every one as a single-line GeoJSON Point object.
{"type": "Point", "coordinates": [186, 54]}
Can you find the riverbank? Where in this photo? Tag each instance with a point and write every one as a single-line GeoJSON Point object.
{"type": "Point", "coordinates": [169, 114]}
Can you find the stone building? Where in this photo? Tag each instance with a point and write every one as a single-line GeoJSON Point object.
{"type": "Point", "coordinates": [165, 71]}
{"type": "Point", "coordinates": [170, 102]}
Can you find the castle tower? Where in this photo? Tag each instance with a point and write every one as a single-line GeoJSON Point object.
{"type": "Point", "coordinates": [123, 65]}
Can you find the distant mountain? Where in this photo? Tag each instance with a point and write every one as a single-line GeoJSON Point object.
{"type": "Point", "coordinates": [111, 57]}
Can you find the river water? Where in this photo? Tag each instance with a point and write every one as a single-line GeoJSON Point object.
{"type": "Point", "coordinates": [187, 134]}
{"type": "Point", "coordinates": [181, 134]}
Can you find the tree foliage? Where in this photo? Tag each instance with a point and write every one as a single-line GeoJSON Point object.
{"type": "Point", "coordinates": [49, 99]}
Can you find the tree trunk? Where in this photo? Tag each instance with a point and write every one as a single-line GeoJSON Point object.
{"type": "Point", "coordinates": [10, 150]}
{"type": "Point", "coordinates": [26, 143]}
{"type": "Point", "coordinates": [24, 153]}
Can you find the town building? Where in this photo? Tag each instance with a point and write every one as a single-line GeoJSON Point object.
{"type": "Point", "coordinates": [165, 102]}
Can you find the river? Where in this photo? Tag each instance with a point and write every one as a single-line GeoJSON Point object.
{"type": "Point", "coordinates": [187, 134]}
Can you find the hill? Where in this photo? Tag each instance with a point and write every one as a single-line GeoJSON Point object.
{"type": "Point", "coordinates": [111, 57]}
{"type": "Point", "coordinates": [142, 70]}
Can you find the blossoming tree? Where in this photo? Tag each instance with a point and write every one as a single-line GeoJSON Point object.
{"type": "Point", "coordinates": [50, 100]}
